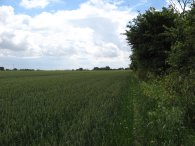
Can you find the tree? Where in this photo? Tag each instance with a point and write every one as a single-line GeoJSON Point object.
{"type": "Point", "coordinates": [182, 55]}
{"type": "Point", "coordinates": [149, 42]}
{"type": "Point", "coordinates": [15, 69]}
{"type": "Point", "coordinates": [102, 68]}
{"type": "Point", "coordinates": [96, 68]}
{"type": "Point", "coordinates": [183, 4]}
{"type": "Point", "coordinates": [2, 68]}
{"type": "Point", "coordinates": [80, 69]}
{"type": "Point", "coordinates": [181, 77]}
{"type": "Point", "coordinates": [107, 68]}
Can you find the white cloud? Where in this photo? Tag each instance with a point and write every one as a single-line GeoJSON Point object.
{"type": "Point", "coordinates": [29, 4]}
{"type": "Point", "coordinates": [88, 36]}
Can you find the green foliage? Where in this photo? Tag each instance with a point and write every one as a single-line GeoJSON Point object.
{"type": "Point", "coordinates": [163, 52]}
{"type": "Point", "coordinates": [182, 55]}
{"type": "Point", "coordinates": [160, 116]}
{"type": "Point", "coordinates": [65, 108]}
{"type": "Point", "coordinates": [181, 79]}
{"type": "Point", "coordinates": [149, 42]}
{"type": "Point", "coordinates": [183, 86]}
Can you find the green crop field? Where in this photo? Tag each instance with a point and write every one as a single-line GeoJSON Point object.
{"type": "Point", "coordinates": [86, 108]}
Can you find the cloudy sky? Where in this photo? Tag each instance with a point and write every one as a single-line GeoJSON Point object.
{"type": "Point", "coordinates": [67, 34]}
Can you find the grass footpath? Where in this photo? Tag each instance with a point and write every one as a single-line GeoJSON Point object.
{"type": "Point", "coordinates": [89, 108]}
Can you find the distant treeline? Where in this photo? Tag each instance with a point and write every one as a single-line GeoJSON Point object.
{"type": "Point", "coordinates": [79, 69]}
{"type": "Point", "coordinates": [108, 68]}
{"type": "Point", "coordinates": [103, 68]}
{"type": "Point", "coordinates": [15, 69]}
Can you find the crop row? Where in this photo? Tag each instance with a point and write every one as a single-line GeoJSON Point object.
{"type": "Point", "coordinates": [65, 108]}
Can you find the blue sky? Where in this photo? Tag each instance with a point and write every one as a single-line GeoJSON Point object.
{"type": "Point", "coordinates": [139, 5]}
{"type": "Point", "coordinates": [67, 34]}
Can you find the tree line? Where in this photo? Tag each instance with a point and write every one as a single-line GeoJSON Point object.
{"type": "Point", "coordinates": [162, 41]}
{"type": "Point", "coordinates": [78, 69]}
{"type": "Point", "coordinates": [15, 69]}
{"type": "Point", "coordinates": [102, 68]}
{"type": "Point", "coordinates": [163, 57]}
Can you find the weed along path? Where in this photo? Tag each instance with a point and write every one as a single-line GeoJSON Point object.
{"type": "Point", "coordinates": [73, 108]}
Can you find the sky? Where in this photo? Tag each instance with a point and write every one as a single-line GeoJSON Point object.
{"type": "Point", "coordinates": [67, 34]}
